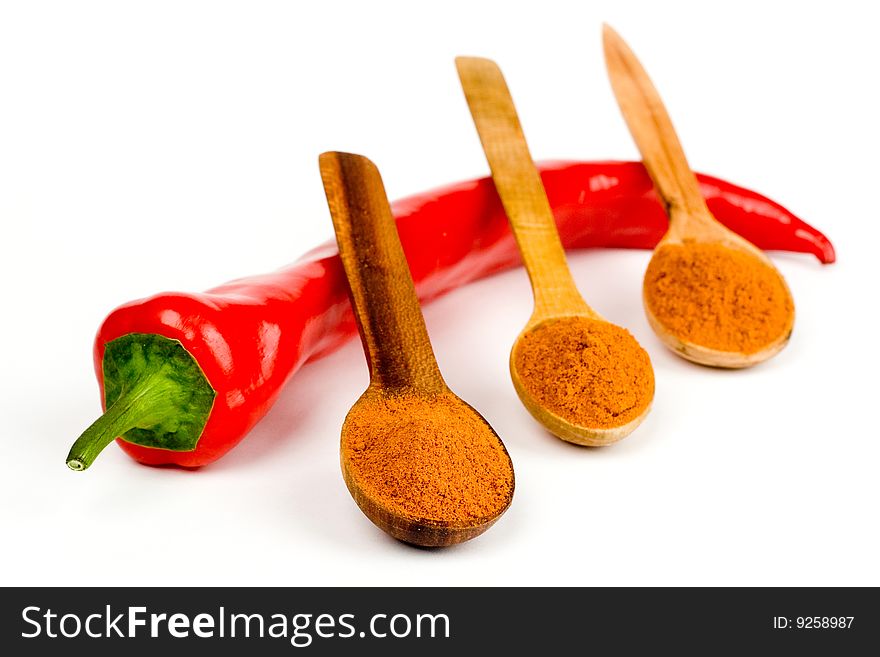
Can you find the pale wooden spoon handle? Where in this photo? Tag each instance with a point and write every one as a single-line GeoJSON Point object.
{"type": "Point", "coordinates": [519, 185]}
{"type": "Point", "coordinates": [652, 129]}
{"type": "Point", "coordinates": [383, 296]}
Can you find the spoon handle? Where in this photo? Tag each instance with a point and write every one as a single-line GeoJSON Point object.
{"type": "Point", "coordinates": [519, 186]}
{"type": "Point", "coordinates": [652, 130]}
{"type": "Point", "coordinates": [383, 296]}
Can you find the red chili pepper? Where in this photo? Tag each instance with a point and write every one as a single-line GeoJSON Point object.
{"type": "Point", "coordinates": [185, 376]}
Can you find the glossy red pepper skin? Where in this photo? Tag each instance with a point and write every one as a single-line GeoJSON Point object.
{"type": "Point", "coordinates": [251, 335]}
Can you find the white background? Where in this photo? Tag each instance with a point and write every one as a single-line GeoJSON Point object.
{"type": "Point", "coordinates": [173, 145]}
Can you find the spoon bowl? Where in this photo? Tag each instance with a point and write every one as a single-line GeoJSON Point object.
{"type": "Point", "coordinates": [558, 419]}
{"type": "Point", "coordinates": [712, 233]}
{"type": "Point", "coordinates": [378, 436]}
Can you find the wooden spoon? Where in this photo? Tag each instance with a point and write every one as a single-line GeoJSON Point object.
{"type": "Point", "coordinates": [531, 219]}
{"type": "Point", "coordinates": [406, 391]}
{"type": "Point", "coordinates": [690, 221]}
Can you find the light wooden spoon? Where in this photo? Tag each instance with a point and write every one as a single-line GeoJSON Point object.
{"type": "Point", "coordinates": [531, 219]}
{"type": "Point", "coordinates": [405, 381]}
{"type": "Point", "coordinates": [690, 220]}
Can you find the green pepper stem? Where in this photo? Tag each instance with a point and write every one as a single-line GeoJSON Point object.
{"type": "Point", "coordinates": [146, 399]}
{"type": "Point", "coordinates": [156, 396]}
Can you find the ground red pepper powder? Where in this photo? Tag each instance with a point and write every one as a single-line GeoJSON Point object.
{"type": "Point", "coordinates": [432, 459]}
{"type": "Point", "coordinates": [717, 297]}
{"type": "Point", "coordinates": [589, 372]}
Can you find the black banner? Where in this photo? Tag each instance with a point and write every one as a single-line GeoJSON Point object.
{"type": "Point", "coordinates": [431, 621]}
